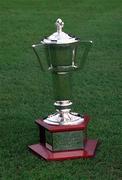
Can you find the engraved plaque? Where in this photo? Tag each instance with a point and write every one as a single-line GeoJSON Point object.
{"type": "Point", "coordinates": [64, 140]}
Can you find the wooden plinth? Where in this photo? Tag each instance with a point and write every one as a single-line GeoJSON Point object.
{"type": "Point", "coordinates": [41, 150]}
{"type": "Point", "coordinates": [63, 128]}
{"type": "Point", "coordinates": [87, 152]}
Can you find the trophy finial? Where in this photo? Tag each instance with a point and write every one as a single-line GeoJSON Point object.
{"type": "Point", "coordinates": [60, 24]}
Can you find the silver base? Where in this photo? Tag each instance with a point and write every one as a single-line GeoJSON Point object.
{"type": "Point", "coordinates": [61, 105]}
{"type": "Point", "coordinates": [64, 117]}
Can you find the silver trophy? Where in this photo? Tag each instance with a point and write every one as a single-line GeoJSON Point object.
{"type": "Point", "coordinates": [58, 53]}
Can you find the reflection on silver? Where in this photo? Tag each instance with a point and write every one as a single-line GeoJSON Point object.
{"type": "Point", "coordinates": [64, 103]}
{"type": "Point", "coordinates": [60, 24]}
{"type": "Point", "coordinates": [64, 117]}
{"type": "Point", "coordinates": [59, 37]}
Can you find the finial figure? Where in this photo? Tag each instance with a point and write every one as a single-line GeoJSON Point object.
{"type": "Point", "coordinates": [60, 24]}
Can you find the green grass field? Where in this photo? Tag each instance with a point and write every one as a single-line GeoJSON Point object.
{"type": "Point", "coordinates": [26, 93]}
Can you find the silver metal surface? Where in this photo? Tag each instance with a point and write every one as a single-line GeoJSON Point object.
{"type": "Point", "coordinates": [60, 141]}
{"type": "Point", "coordinates": [58, 53]}
{"type": "Point", "coordinates": [64, 117]}
{"type": "Point", "coordinates": [65, 103]}
{"type": "Point", "coordinates": [59, 37]}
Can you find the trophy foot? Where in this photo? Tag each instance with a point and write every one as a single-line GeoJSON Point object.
{"type": "Point", "coordinates": [64, 118]}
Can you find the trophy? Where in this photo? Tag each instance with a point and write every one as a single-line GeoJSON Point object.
{"type": "Point", "coordinates": [63, 134]}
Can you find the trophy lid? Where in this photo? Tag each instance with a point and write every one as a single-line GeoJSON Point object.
{"type": "Point", "coordinates": [59, 37]}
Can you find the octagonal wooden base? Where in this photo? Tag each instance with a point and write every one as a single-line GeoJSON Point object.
{"type": "Point", "coordinates": [87, 152]}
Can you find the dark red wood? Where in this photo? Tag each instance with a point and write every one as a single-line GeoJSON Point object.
{"type": "Point", "coordinates": [42, 135]}
{"type": "Point", "coordinates": [87, 152]}
{"type": "Point", "coordinates": [62, 128]}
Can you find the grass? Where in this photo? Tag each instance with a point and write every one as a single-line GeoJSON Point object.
{"type": "Point", "coordinates": [26, 93]}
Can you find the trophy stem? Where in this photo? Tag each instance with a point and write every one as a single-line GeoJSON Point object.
{"type": "Point", "coordinates": [62, 86]}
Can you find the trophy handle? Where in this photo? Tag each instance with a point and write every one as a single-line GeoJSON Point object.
{"type": "Point", "coordinates": [39, 50]}
{"type": "Point", "coordinates": [87, 46]}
